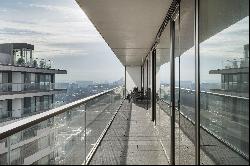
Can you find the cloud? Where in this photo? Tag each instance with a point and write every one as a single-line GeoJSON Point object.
{"type": "Point", "coordinates": [53, 8]}
{"type": "Point", "coordinates": [15, 31]}
{"type": "Point", "coordinates": [233, 39]}
{"type": "Point", "coordinates": [48, 35]}
{"type": "Point", "coordinates": [60, 31]}
{"type": "Point", "coordinates": [3, 10]}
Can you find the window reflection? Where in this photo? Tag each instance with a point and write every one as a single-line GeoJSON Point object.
{"type": "Point", "coordinates": [224, 53]}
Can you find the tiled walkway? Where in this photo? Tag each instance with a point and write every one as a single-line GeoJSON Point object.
{"type": "Point", "coordinates": [130, 140]}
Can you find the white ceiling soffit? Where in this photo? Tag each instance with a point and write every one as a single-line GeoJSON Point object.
{"type": "Point", "coordinates": [128, 26]}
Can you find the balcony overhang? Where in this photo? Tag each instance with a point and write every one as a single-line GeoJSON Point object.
{"type": "Point", "coordinates": [129, 27]}
{"type": "Point", "coordinates": [22, 46]}
{"type": "Point", "coordinates": [13, 68]}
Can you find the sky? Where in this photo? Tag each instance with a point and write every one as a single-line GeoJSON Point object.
{"type": "Point", "coordinates": [61, 32]}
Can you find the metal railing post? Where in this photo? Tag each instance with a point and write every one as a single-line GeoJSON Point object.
{"type": "Point", "coordinates": [85, 133]}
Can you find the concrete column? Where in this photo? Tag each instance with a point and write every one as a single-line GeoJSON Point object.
{"type": "Point", "coordinates": [33, 80]}
{"type": "Point", "coordinates": [32, 77]}
{"type": "Point", "coordinates": [145, 76]}
{"type": "Point", "coordinates": [4, 107]}
{"type": "Point", "coordinates": [1, 78]}
{"type": "Point", "coordinates": [17, 108]}
{"type": "Point", "coordinates": [133, 77]}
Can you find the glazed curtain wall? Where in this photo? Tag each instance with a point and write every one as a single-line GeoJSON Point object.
{"type": "Point", "coordinates": [213, 34]}
{"type": "Point", "coordinates": [224, 61]}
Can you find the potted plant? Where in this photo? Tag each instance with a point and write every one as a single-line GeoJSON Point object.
{"type": "Point", "coordinates": [42, 63]}
{"type": "Point", "coordinates": [35, 63]}
{"type": "Point", "coordinates": [20, 61]}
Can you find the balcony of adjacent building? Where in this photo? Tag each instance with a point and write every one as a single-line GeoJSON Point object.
{"type": "Point", "coordinates": [21, 57]}
{"type": "Point", "coordinates": [27, 88]}
{"type": "Point", "coordinates": [22, 54]}
{"type": "Point", "coordinates": [12, 110]}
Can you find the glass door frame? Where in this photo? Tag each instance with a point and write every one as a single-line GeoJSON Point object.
{"type": "Point", "coordinates": [173, 105]}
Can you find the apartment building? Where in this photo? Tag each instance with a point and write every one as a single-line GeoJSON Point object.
{"type": "Point", "coordinates": [27, 85]}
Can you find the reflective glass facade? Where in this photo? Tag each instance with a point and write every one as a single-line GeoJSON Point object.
{"type": "Point", "coordinates": [209, 41]}
{"type": "Point", "coordinates": [224, 58]}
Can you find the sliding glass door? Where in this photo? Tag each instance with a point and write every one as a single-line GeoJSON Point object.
{"type": "Point", "coordinates": [203, 55]}
{"type": "Point", "coordinates": [185, 83]}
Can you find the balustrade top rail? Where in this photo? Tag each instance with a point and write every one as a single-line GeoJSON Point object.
{"type": "Point", "coordinates": [216, 94]}
{"type": "Point", "coordinates": [39, 83]}
{"type": "Point", "coordinates": [20, 125]}
{"type": "Point", "coordinates": [8, 87]}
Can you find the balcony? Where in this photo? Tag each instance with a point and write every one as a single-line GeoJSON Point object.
{"type": "Point", "coordinates": [14, 88]}
{"type": "Point", "coordinates": [37, 63]}
{"type": "Point", "coordinates": [106, 129]}
{"type": "Point", "coordinates": [66, 127]}
{"type": "Point", "coordinates": [7, 117]}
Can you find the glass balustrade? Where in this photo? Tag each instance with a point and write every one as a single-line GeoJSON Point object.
{"type": "Point", "coordinates": [36, 63]}
{"type": "Point", "coordinates": [66, 138]}
{"type": "Point", "coordinates": [218, 111]}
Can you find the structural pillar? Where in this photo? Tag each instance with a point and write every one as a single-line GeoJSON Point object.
{"type": "Point", "coordinates": [154, 86]}
{"type": "Point", "coordinates": [141, 79]}
{"type": "Point", "coordinates": [197, 85]}
{"type": "Point", "coordinates": [147, 86]}
{"type": "Point", "coordinates": [172, 91]}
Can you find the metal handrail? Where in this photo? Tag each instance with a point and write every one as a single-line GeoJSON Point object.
{"type": "Point", "coordinates": [216, 94]}
{"type": "Point", "coordinates": [16, 87]}
{"type": "Point", "coordinates": [20, 125]}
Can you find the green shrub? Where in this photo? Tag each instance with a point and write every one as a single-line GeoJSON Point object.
{"type": "Point", "coordinates": [20, 61]}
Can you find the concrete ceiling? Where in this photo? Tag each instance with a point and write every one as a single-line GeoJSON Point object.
{"type": "Point", "coordinates": [184, 33]}
{"type": "Point", "coordinates": [128, 26]}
